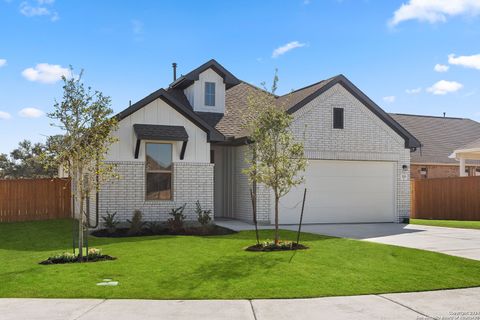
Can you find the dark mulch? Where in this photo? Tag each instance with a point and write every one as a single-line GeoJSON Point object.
{"type": "Point", "coordinates": [189, 231]}
{"type": "Point", "coordinates": [85, 259]}
{"type": "Point", "coordinates": [262, 248]}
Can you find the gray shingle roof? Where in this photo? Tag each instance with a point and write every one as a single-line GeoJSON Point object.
{"type": "Point", "coordinates": [439, 136]}
{"type": "Point", "coordinates": [160, 132]}
{"type": "Point", "coordinates": [472, 145]}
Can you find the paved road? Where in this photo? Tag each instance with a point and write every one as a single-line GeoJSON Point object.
{"type": "Point", "coordinates": [453, 241]}
{"type": "Point", "coordinates": [449, 304]}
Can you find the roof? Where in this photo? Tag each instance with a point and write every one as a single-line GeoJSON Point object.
{"type": "Point", "coordinates": [231, 123]}
{"type": "Point", "coordinates": [160, 132]}
{"type": "Point", "coordinates": [186, 80]}
{"type": "Point", "coordinates": [440, 136]}
{"type": "Point", "coordinates": [472, 145]}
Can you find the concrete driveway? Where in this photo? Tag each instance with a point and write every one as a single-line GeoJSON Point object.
{"type": "Point", "coordinates": [453, 241]}
{"type": "Point", "coordinates": [446, 304]}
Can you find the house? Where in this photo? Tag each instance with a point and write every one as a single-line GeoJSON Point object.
{"type": "Point", "coordinates": [440, 136]}
{"type": "Point", "coordinates": [186, 143]}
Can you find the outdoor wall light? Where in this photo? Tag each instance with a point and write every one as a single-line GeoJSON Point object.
{"type": "Point", "coordinates": [405, 167]}
{"type": "Point", "coordinates": [423, 171]}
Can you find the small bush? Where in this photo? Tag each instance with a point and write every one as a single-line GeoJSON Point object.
{"type": "Point", "coordinates": [203, 216]}
{"type": "Point", "coordinates": [110, 222]}
{"type": "Point", "coordinates": [175, 223]}
{"type": "Point", "coordinates": [94, 253]}
{"type": "Point", "coordinates": [64, 257]}
{"type": "Point", "coordinates": [155, 227]}
{"type": "Point", "coordinates": [137, 223]}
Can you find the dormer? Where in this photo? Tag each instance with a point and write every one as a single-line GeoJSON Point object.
{"type": "Point", "coordinates": [205, 87]}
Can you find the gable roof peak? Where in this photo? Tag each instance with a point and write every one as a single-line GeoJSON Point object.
{"type": "Point", "coordinates": [186, 80]}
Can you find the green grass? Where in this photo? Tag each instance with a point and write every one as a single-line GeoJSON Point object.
{"type": "Point", "coordinates": [182, 267]}
{"type": "Point", "coordinates": [447, 223]}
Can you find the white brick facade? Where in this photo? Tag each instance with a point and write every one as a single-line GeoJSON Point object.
{"type": "Point", "coordinates": [191, 182]}
{"type": "Point", "coordinates": [364, 137]}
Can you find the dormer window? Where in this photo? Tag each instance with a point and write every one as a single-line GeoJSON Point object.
{"type": "Point", "coordinates": [210, 94]}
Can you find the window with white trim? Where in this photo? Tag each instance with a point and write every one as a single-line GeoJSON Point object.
{"type": "Point", "coordinates": [210, 94]}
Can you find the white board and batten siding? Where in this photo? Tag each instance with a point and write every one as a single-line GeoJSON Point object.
{"type": "Point", "coordinates": [159, 113]}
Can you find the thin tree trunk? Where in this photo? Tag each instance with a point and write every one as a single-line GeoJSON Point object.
{"type": "Point", "coordinates": [79, 192]}
{"type": "Point", "coordinates": [254, 208]}
{"type": "Point", "coordinates": [276, 219]}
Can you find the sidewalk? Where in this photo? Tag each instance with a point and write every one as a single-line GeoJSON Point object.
{"type": "Point", "coordinates": [449, 304]}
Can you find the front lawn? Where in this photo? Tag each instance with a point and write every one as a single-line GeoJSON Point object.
{"type": "Point", "coordinates": [447, 223]}
{"type": "Point", "coordinates": [188, 267]}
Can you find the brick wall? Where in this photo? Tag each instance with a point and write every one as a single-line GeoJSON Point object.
{"type": "Point", "coordinates": [191, 182]}
{"type": "Point", "coordinates": [364, 137]}
{"type": "Point", "coordinates": [439, 171]}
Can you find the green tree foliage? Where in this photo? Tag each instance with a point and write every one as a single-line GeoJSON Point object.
{"type": "Point", "coordinates": [276, 159]}
{"type": "Point", "coordinates": [27, 161]}
{"type": "Point", "coordinates": [85, 117]}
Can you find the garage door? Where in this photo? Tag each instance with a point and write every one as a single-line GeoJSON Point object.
{"type": "Point", "coordinates": [342, 192]}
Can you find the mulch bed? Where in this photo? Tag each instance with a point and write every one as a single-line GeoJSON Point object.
{"type": "Point", "coordinates": [261, 248]}
{"type": "Point", "coordinates": [189, 231]}
{"type": "Point", "coordinates": [61, 261]}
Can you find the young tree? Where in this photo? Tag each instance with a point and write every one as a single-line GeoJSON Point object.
{"type": "Point", "coordinates": [276, 159]}
{"type": "Point", "coordinates": [86, 119]}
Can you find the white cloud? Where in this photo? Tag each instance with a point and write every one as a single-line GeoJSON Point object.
{"type": "Point", "coordinates": [46, 73]}
{"type": "Point", "coordinates": [413, 91]}
{"type": "Point", "coordinates": [3, 62]}
{"type": "Point", "coordinates": [434, 10]}
{"type": "Point", "coordinates": [31, 11]}
{"type": "Point", "coordinates": [389, 99]}
{"type": "Point", "coordinates": [443, 87]}
{"type": "Point", "coordinates": [4, 115]}
{"type": "Point", "coordinates": [441, 68]}
{"type": "Point", "coordinates": [287, 47]}
{"type": "Point", "coordinates": [40, 8]}
{"type": "Point", "coordinates": [31, 113]}
{"type": "Point", "coordinates": [472, 61]}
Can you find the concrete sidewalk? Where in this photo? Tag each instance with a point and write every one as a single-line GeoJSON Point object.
{"type": "Point", "coordinates": [449, 304]}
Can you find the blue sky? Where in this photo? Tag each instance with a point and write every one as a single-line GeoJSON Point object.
{"type": "Point", "coordinates": [389, 49]}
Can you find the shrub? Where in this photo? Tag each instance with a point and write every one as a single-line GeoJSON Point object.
{"type": "Point", "coordinates": [203, 216]}
{"type": "Point", "coordinates": [64, 257]}
{"type": "Point", "coordinates": [94, 253]}
{"type": "Point", "coordinates": [155, 227]}
{"type": "Point", "coordinates": [136, 224]}
{"type": "Point", "coordinates": [110, 222]}
{"type": "Point", "coordinates": [175, 223]}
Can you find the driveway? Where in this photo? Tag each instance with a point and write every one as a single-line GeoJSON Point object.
{"type": "Point", "coordinates": [446, 304]}
{"type": "Point", "coordinates": [453, 241]}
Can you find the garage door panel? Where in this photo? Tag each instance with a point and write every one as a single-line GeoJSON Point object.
{"type": "Point", "coordinates": [343, 192]}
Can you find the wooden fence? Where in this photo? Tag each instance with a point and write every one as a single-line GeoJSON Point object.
{"type": "Point", "coordinates": [34, 199]}
{"type": "Point", "coordinates": [446, 198]}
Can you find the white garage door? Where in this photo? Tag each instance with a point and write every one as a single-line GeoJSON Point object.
{"type": "Point", "coordinates": [342, 192]}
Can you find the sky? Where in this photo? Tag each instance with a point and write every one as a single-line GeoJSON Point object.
{"type": "Point", "coordinates": [410, 56]}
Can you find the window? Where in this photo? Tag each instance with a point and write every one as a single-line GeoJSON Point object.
{"type": "Point", "coordinates": [337, 118]}
{"type": "Point", "coordinates": [210, 94]}
{"type": "Point", "coordinates": [158, 166]}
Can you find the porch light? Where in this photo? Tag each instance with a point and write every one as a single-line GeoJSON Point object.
{"type": "Point", "coordinates": [405, 168]}
{"type": "Point", "coordinates": [423, 171]}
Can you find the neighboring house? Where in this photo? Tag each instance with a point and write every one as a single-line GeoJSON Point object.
{"type": "Point", "coordinates": [186, 143]}
{"type": "Point", "coordinates": [440, 136]}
